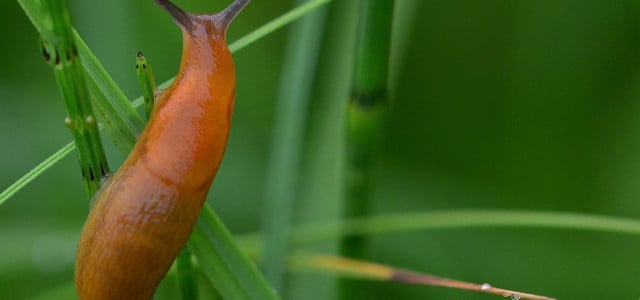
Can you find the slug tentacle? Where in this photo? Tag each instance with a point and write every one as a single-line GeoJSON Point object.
{"type": "Point", "coordinates": [181, 17]}
{"type": "Point", "coordinates": [225, 17]}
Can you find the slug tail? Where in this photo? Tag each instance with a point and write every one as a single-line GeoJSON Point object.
{"type": "Point", "coordinates": [225, 17]}
{"type": "Point", "coordinates": [181, 17]}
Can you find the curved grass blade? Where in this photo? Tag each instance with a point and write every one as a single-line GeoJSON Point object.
{"type": "Point", "coordinates": [276, 24]}
{"type": "Point", "coordinates": [459, 219]}
{"type": "Point", "coordinates": [446, 220]}
{"type": "Point", "coordinates": [33, 173]}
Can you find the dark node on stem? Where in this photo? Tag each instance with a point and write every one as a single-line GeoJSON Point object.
{"type": "Point", "coordinates": [75, 50]}
{"type": "Point", "coordinates": [57, 54]}
{"type": "Point", "coordinates": [45, 52]}
{"type": "Point", "coordinates": [68, 55]}
{"type": "Point", "coordinates": [146, 100]}
{"type": "Point", "coordinates": [409, 277]}
{"type": "Point", "coordinates": [144, 66]}
{"type": "Point", "coordinates": [92, 175]}
{"type": "Point", "coordinates": [366, 100]}
{"type": "Point", "coordinates": [103, 170]}
{"type": "Point", "coordinates": [137, 66]}
{"type": "Point", "coordinates": [82, 171]}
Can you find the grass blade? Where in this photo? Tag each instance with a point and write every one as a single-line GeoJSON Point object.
{"type": "Point", "coordinates": [229, 270]}
{"type": "Point", "coordinates": [460, 219]}
{"type": "Point", "coordinates": [287, 141]}
{"type": "Point", "coordinates": [359, 269]}
{"type": "Point", "coordinates": [276, 24]}
{"type": "Point", "coordinates": [33, 173]}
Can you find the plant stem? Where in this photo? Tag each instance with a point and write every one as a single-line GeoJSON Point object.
{"type": "Point", "coordinates": [185, 274]}
{"type": "Point", "coordinates": [61, 53]}
{"type": "Point", "coordinates": [288, 141]}
{"type": "Point", "coordinates": [365, 115]}
{"type": "Point", "coordinates": [147, 83]}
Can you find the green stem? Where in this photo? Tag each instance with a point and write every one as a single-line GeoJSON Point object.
{"type": "Point", "coordinates": [61, 53]}
{"type": "Point", "coordinates": [288, 141]}
{"type": "Point", "coordinates": [185, 274]}
{"type": "Point", "coordinates": [365, 115]}
{"type": "Point", "coordinates": [147, 83]}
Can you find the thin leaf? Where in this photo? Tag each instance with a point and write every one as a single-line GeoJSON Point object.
{"type": "Point", "coordinates": [33, 173]}
{"type": "Point", "coordinates": [227, 267]}
{"type": "Point", "coordinates": [287, 141]}
{"type": "Point", "coordinates": [359, 269]}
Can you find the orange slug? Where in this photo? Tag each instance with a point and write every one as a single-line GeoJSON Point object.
{"type": "Point", "coordinates": [145, 213]}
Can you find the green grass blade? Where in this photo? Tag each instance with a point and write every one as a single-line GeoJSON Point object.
{"type": "Point", "coordinates": [122, 118]}
{"type": "Point", "coordinates": [276, 24]}
{"type": "Point", "coordinates": [307, 234]}
{"type": "Point", "coordinates": [287, 141]}
{"type": "Point", "coordinates": [114, 95]}
{"type": "Point", "coordinates": [461, 219]}
{"type": "Point", "coordinates": [33, 173]}
{"type": "Point", "coordinates": [229, 270]}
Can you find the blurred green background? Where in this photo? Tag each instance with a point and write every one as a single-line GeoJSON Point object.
{"type": "Point", "coordinates": [495, 105]}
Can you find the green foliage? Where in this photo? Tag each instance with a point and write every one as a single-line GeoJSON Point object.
{"type": "Point", "coordinates": [522, 105]}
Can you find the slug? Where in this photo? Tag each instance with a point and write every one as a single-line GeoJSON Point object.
{"type": "Point", "coordinates": [144, 213]}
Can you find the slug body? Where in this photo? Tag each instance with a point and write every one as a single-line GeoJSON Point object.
{"type": "Point", "coordinates": [145, 213]}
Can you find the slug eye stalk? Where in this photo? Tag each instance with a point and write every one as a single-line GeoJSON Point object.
{"type": "Point", "coordinates": [187, 20]}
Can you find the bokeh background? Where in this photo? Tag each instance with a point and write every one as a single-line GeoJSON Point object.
{"type": "Point", "coordinates": [495, 105]}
